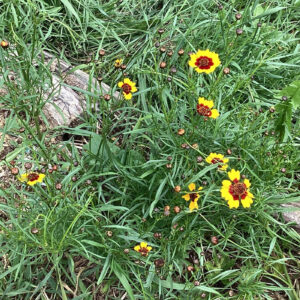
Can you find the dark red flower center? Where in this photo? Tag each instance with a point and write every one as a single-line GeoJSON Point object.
{"type": "Point", "coordinates": [33, 176]}
{"type": "Point", "coordinates": [203, 110]}
{"type": "Point", "coordinates": [193, 196]}
{"type": "Point", "coordinates": [204, 62]}
{"type": "Point", "coordinates": [126, 88]}
{"type": "Point", "coordinates": [238, 190]}
{"type": "Point", "coordinates": [217, 160]}
{"type": "Point", "coordinates": [144, 251]}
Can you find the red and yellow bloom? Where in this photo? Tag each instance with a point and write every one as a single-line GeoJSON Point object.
{"type": "Point", "coordinates": [143, 248]}
{"type": "Point", "coordinates": [193, 197]}
{"type": "Point", "coordinates": [118, 63]}
{"type": "Point", "coordinates": [204, 108]}
{"type": "Point", "coordinates": [235, 191]}
{"type": "Point", "coordinates": [215, 158]}
{"type": "Point", "coordinates": [31, 178]}
{"type": "Point", "coordinates": [204, 61]}
{"type": "Point", "coordinates": [128, 88]}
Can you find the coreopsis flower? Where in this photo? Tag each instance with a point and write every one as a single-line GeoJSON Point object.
{"type": "Point", "coordinates": [143, 248]}
{"type": "Point", "coordinates": [235, 191]}
{"type": "Point", "coordinates": [118, 63]}
{"type": "Point", "coordinates": [193, 196]}
{"type": "Point", "coordinates": [215, 158]}
{"type": "Point", "coordinates": [31, 178]}
{"type": "Point", "coordinates": [204, 108]}
{"type": "Point", "coordinates": [204, 61]}
{"type": "Point", "coordinates": [128, 88]}
{"type": "Point", "coordinates": [4, 44]}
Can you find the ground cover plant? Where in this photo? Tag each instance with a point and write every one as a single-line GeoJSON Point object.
{"type": "Point", "coordinates": [171, 191]}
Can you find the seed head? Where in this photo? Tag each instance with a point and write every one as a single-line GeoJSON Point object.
{"type": "Point", "coordinates": [284, 98]}
{"type": "Point", "coordinates": [126, 251]}
{"type": "Point", "coordinates": [239, 31]}
{"type": "Point", "coordinates": [123, 67]}
{"type": "Point", "coordinates": [238, 16]}
{"type": "Point", "coordinates": [4, 44]}
{"type": "Point", "coordinates": [199, 159]}
{"type": "Point", "coordinates": [226, 71]}
{"type": "Point", "coordinates": [161, 31]}
{"type": "Point", "coordinates": [157, 44]}
{"type": "Point", "coordinates": [177, 189]}
{"type": "Point", "coordinates": [195, 146]}
{"type": "Point", "coordinates": [169, 166]}
{"type": "Point", "coordinates": [203, 295]}
{"type": "Point", "coordinates": [15, 171]}
{"type": "Point", "coordinates": [74, 178]}
{"type": "Point", "coordinates": [159, 263]}
{"type": "Point", "coordinates": [173, 70]}
{"type": "Point", "coordinates": [272, 109]}
{"type": "Point", "coordinates": [169, 79]}
{"type": "Point", "coordinates": [184, 146]}
{"type": "Point", "coordinates": [214, 240]}
{"type": "Point", "coordinates": [109, 233]}
{"type": "Point", "coordinates": [163, 49]}
{"type": "Point", "coordinates": [28, 165]}
{"type": "Point", "coordinates": [181, 131]}
{"type": "Point", "coordinates": [157, 235]}
{"type": "Point", "coordinates": [229, 152]}
{"type": "Point", "coordinates": [106, 97]}
{"type": "Point", "coordinates": [34, 230]}
{"type": "Point", "coordinates": [177, 209]}
{"type": "Point", "coordinates": [167, 208]}
{"type": "Point", "coordinates": [102, 52]}
{"type": "Point", "coordinates": [190, 268]}
{"type": "Point", "coordinates": [259, 24]}
{"type": "Point", "coordinates": [167, 213]}
{"type": "Point", "coordinates": [180, 52]}
{"type": "Point", "coordinates": [163, 65]}
{"type": "Point", "coordinates": [170, 53]}
{"type": "Point", "coordinates": [58, 186]}
{"type": "Point", "coordinates": [196, 283]}
{"type": "Point", "coordinates": [283, 170]}
{"type": "Point", "coordinates": [231, 293]}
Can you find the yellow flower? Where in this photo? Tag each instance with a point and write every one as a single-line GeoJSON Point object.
{"type": "Point", "coordinates": [235, 191]}
{"type": "Point", "coordinates": [128, 88]}
{"type": "Point", "coordinates": [219, 159]}
{"type": "Point", "coordinates": [118, 63]}
{"type": "Point", "coordinates": [204, 108]}
{"type": "Point", "coordinates": [204, 61]}
{"type": "Point", "coordinates": [143, 248]}
{"type": "Point", "coordinates": [31, 178]}
{"type": "Point", "coordinates": [193, 197]}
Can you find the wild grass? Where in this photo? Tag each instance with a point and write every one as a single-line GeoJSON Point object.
{"type": "Point", "coordinates": [73, 242]}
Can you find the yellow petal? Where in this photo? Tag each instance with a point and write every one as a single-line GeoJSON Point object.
{"type": "Point", "coordinates": [134, 89]}
{"type": "Point", "coordinates": [247, 202]}
{"type": "Point", "coordinates": [193, 205]}
{"type": "Point", "coordinates": [233, 174]}
{"type": "Point", "coordinates": [226, 184]}
{"type": "Point", "coordinates": [200, 188]}
{"type": "Point", "coordinates": [41, 177]}
{"type": "Point", "coordinates": [127, 80]}
{"type": "Point", "coordinates": [192, 186]}
{"type": "Point", "coordinates": [144, 245]}
{"type": "Point", "coordinates": [120, 84]}
{"type": "Point", "coordinates": [214, 113]}
{"type": "Point", "coordinates": [233, 204]}
{"type": "Point", "coordinates": [201, 100]}
{"type": "Point", "coordinates": [137, 248]}
{"type": "Point", "coordinates": [209, 103]}
{"type": "Point", "coordinates": [186, 197]}
{"type": "Point", "coordinates": [247, 183]}
{"type": "Point", "coordinates": [149, 248]}
{"type": "Point", "coordinates": [23, 177]}
{"type": "Point", "coordinates": [224, 167]}
{"type": "Point", "coordinates": [127, 96]}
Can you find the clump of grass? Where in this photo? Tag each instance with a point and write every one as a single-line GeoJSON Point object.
{"type": "Point", "coordinates": [121, 177]}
